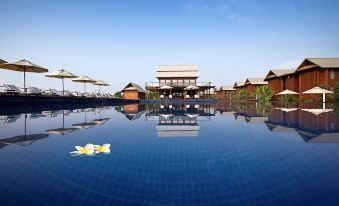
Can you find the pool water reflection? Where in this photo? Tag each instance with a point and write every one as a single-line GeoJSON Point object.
{"type": "Point", "coordinates": [212, 154]}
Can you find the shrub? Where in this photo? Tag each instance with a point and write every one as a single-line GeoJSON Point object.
{"type": "Point", "coordinates": [264, 93]}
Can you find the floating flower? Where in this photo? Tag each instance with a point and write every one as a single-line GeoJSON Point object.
{"type": "Point", "coordinates": [105, 148]}
{"type": "Point", "coordinates": [86, 150]}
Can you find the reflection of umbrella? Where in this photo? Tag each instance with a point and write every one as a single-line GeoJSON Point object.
{"type": "Point", "coordinates": [287, 91]}
{"type": "Point", "coordinates": [101, 121]}
{"type": "Point", "coordinates": [84, 79]}
{"type": "Point", "coordinates": [101, 83]}
{"type": "Point", "coordinates": [84, 125]}
{"type": "Point", "coordinates": [166, 116]}
{"type": "Point", "coordinates": [62, 131]}
{"type": "Point", "coordinates": [24, 139]}
{"type": "Point", "coordinates": [318, 90]}
{"type": "Point", "coordinates": [2, 61]}
{"type": "Point", "coordinates": [317, 111]}
{"type": "Point", "coordinates": [192, 115]}
{"type": "Point", "coordinates": [23, 66]}
{"type": "Point", "coordinates": [287, 109]}
{"type": "Point", "coordinates": [61, 74]}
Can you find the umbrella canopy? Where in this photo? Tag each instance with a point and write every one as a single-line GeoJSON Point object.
{"type": "Point", "coordinates": [318, 90]}
{"type": "Point", "coordinates": [101, 121]}
{"type": "Point", "coordinates": [166, 87]}
{"type": "Point", "coordinates": [61, 131]}
{"type": "Point", "coordinates": [84, 79]}
{"type": "Point", "coordinates": [317, 111]}
{"type": "Point", "coordinates": [191, 87]}
{"type": "Point", "coordinates": [101, 83]}
{"type": "Point", "coordinates": [61, 74]}
{"type": "Point", "coordinates": [84, 125]}
{"type": "Point", "coordinates": [287, 91]}
{"type": "Point", "coordinates": [23, 66]}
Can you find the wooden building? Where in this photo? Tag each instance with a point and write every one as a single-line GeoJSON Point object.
{"type": "Point", "coordinates": [251, 84]}
{"type": "Point", "coordinates": [239, 86]}
{"type": "Point", "coordinates": [314, 72]}
{"type": "Point", "coordinates": [282, 79]}
{"type": "Point", "coordinates": [224, 93]}
{"type": "Point", "coordinates": [179, 82]}
{"type": "Point", "coordinates": [133, 91]}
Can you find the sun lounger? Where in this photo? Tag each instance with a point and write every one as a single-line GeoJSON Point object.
{"type": "Point", "coordinates": [10, 89]}
{"type": "Point", "coordinates": [196, 96]}
{"type": "Point", "coordinates": [34, 91]}
{"type": "Point", "coordinates": [170, 96]}
{"type": "Point", "coordinates": [162, 96]}
{"type": "Point", "coordinates": [52, 92]}
{"type": "Point", "coordinates": [68, 93]}
{"type": "Point", "coordinates": [188, 96]}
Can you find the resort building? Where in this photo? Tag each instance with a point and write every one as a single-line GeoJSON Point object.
{"type": "Point", "coordinates": [179, 82]}
{"type": "Point", "coordinates": [251, 84]}
{"type": "Point", "coordinates": [314, 72]}
{"type": "Point", "coordinates": [133, 91]}
{"type": "Point", "coordinates": [282, 79]}
{"type": "Point", "coordinates": [224, 93]}
{"type": "Point", "coordinates": [239, 86]}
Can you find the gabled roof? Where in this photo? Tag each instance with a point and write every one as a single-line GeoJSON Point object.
{"type": "Point", "coordinates": [132, 86]}
{"type": "Point", "coordinates": [177, 71]}
{"type": "Point", "coordinates": [239, 84]}
{"type": "Point", "coordinates": [225, 88]}
{"type": "Point", "coordinates": [309, 63]}
{"type": "Point", "coordinates": [2, 61]}
{"type": "Point", "coordinates": [256, 81]}
{"type": "Point", "coordinates": [274, 73]}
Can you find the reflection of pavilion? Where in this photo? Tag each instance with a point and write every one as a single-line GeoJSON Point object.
{"type": "Point", "coordinates": [321, 128]}
{"type": "Point", "coordinates": [133, 111]}
{"type": "Point", "coordinates": [179, 121]}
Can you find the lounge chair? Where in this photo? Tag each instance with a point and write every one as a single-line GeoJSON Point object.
{"type": "Point", "coordinates": [52, 92]}
{"type": "Point", "coordinates": [9, 89]}
{"type": "Point", "coordinates": [68, 93]}
{"type": "Point", "coordinates": [162, 96]}
{"type": "Point", "coordinates": [188, 96]}
{"type": "Point", "coordinates": [196, 96]}
{"type": "Point", "coordinates": [170, 96]}
{"type": "Point", "coordinates": [34, 91]}
{"type": "Point", "coordinates": [188, 106]}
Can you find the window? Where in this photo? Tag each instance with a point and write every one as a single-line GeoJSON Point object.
{"type": "Point", "coordinates": [162, 81]}
{"type": "Point", "coordinates": [332, 74]}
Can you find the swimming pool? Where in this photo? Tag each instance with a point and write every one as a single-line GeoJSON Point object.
{"type": "Point", "coordinates": [213, 154]}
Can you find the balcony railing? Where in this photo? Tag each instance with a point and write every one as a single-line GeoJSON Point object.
{"type": "Point", "coordinates": [177, 84]}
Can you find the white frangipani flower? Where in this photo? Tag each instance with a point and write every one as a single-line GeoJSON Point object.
{"type": "Point", "coordinates": [86, 150]}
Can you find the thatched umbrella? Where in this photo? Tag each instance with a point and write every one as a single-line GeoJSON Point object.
{"type": "Point", "coordinates": [318, 90]}
{"type": "Point", "coordinates": [23, 66]}
{"type": "Point", "coordinates": [2, 61]}
{"type": "Point", "coordinates": [62, 74]}
{"type": "Point", "coordinates": [101, 83]}
{"type": "Point", "coordinates": [84, 79]}
{"type": "Point", "coordinates": [286, 92]}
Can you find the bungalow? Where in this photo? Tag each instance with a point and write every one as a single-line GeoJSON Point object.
{"type": "Point", "coordinates": [224, 93]}
{"type": "Point", "coordinates": [251, 84]}
{"type": "Point", "coordinates": [282, 79]}
{"type": "Point", "coordinates": [133, 91]}
{"type": "Point", "coordinates": [239, 85]}
{"type": "Point", "coordinates": [314, 72]}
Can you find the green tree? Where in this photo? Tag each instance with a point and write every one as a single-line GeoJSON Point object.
{"type": "Point", "coordinates": [336, 93]}
{"type": "Point", "coordinates": [264, 93]}
{"type": "Point", "coordinates": [117, 94]}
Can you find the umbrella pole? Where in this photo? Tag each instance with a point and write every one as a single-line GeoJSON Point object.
{"type": "Point", "coordinates": [84, 87]}
{"type": "Point", "coordinates": [63, 87]}
{"type": "Point", "coordinates": [63, 119]}
{"type": "Point", "coordinates": [24, 80]}
{"type": "Point", "coordinates": [324, 98]}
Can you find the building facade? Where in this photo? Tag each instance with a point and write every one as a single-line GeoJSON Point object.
{"type": "Point", "coordinates": [224, 93]}
{"type": "Point", "coordinates": [282, 79]}
{"type": "Point", "coordinates": [252, 84]}
{"type": "Point", "coordinates": [133, 91]}
{"type": "Point", "coordinates": [178, 82]}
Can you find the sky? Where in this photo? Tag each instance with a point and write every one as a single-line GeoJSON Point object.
{"type": "Point", "coordinates": [123, 41]}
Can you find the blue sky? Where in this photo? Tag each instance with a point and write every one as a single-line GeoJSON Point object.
{"type": "Point", "coordinates": [123, 41]}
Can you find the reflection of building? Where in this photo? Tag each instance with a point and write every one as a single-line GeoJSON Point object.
{"type": "Point", "coordinates": [323, 128]}
{"type": "Point", "coordinates": [179, 120]}
{"type": "Point", "coordinates": [133, 111]}
{"type": "Point", "coordinates": [133, 91]}
{"type": "Point", "coordinates": [179, 82]}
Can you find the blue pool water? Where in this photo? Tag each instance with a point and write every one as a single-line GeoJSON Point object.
{"type": "Point", "coordinates": [217, 154]}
